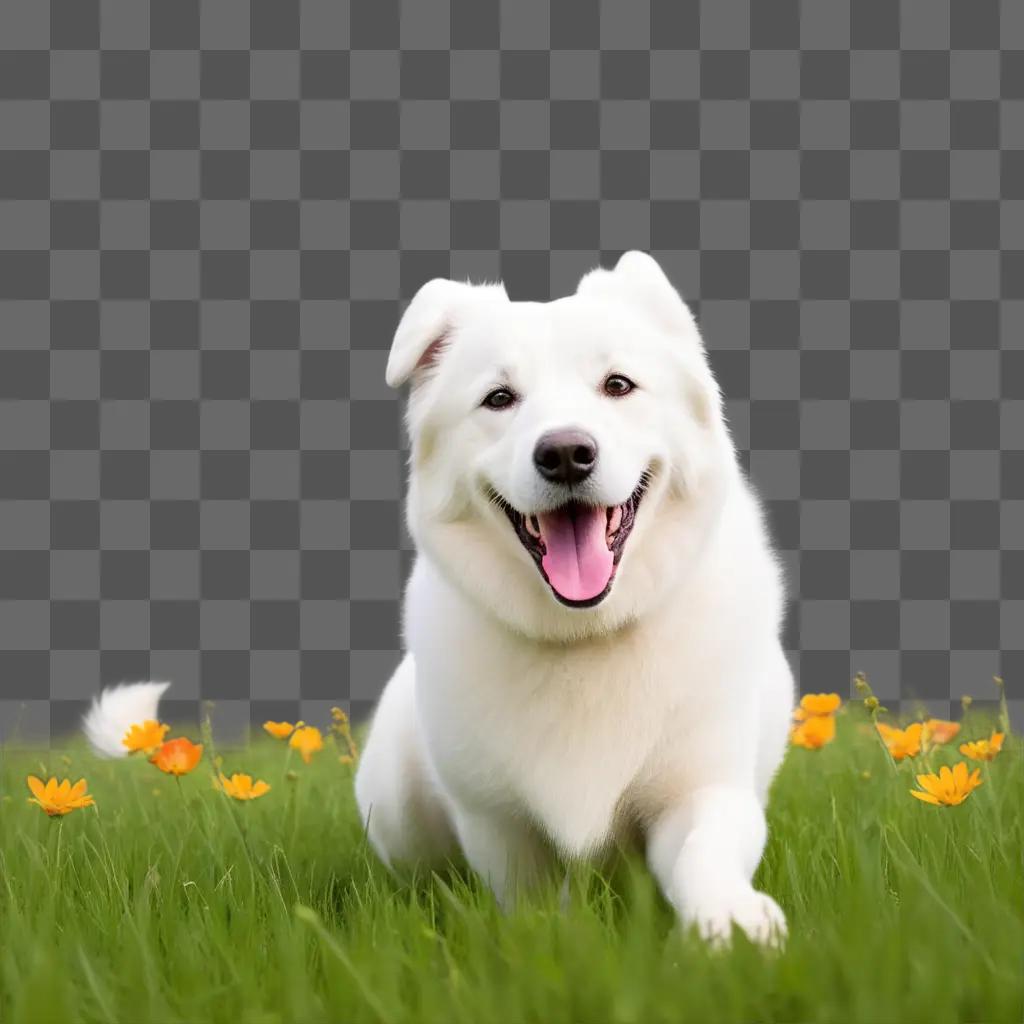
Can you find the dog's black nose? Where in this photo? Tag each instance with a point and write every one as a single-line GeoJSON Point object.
{"type": "Point", "coordinates": [565, 456]}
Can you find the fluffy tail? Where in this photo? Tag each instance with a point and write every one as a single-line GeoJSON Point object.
{"type": "Point", "coordinates": [116, 710]}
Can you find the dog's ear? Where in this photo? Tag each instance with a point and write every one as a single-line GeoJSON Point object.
{"type": "Point", "coordinates": [639, 280]}
{"type": "Point", "coordinates": [428, 322]}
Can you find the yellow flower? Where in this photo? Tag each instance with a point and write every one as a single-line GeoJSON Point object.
{"type": "Point", "coordinates": [178, 756]}
{"type": "Point", "coordinates": [307, 741]}
{"type": "Point", "coordinates": [57, 799]}
{"type": "Point", "coordinates": [812, 704]}
{"type": "Point", "coordinates": [814, 732]}
{"type": "Point", "coordinates": [279, 730]}
{"type": "Point", "coordinates": [936, 730]}
{"type": "Point", "coordinates": [145, 737]}
{"type": "Point", "coordinates": [901, 742]}
{"type": "Point", "coordinates": [241, 787]}
{"type": "Point", "coordinates": [983, 750]}
{"type": "Point", "coordinates": [948, 788]}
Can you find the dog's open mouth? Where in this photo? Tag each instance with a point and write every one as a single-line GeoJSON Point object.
{"type": "Point", "coordinates": [577, 547]}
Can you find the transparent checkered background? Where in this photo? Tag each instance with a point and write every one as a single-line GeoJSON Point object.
{"type": "Point", "coordinates": [211, 214]}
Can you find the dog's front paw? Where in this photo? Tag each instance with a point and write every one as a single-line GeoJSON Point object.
{"type": "Point", "coordinates": [755, 912]}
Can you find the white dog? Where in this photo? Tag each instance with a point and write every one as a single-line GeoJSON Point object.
{"type": "Point", "coordinates": [593, 619]}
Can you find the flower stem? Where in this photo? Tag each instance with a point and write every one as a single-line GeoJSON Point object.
{"type": "Point", "coordinates": [244, 834]}
{"type": "Point", "coordinates": [60, 841]}
{"type": "Point", "coordinates": [181, 793]}
{"type": "Point", "coordinates": [883, 744]}
{"type": "Point", "coordinates": [1004, 711]}
{"type": "Point", "coordinates": [871, 705]}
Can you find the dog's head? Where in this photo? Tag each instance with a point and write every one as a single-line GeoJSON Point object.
{"type": "Point", "coordinates": [568, 458]}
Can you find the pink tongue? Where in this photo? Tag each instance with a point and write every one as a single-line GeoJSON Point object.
{"type": "Point", "coordinates": [577, 561]}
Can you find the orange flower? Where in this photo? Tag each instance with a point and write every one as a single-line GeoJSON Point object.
{"type": "Point", "coordinates": [279, 730]}
{"type": "Point", "coordinates": [58, 799]}
{"type": "Point", "coordinates": [814, 732]}
{"type": "Point", "coordinates": [814, 704]}
{"type": "Point", "coordinates": [241, 787]}
{"type": "Point", "coordinates": [146, 737]}
{"type": "Point", "coordinates": [936, 730]}
{"type": "Point", "coordinates": [983, 750]}
{"type": "Point", "coordinates": [307, 741]}
{"type": "Point", "coordinates": [178, 756]}
{"type": "Point", "coordinates": [901, 742]}
{"type": "Point", "coordinates": [948, 788]}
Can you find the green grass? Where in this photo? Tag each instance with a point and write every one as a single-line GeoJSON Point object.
{"type": "Point", "coordinates": [167, 904]}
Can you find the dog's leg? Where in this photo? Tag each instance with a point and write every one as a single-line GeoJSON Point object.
{"type": "Point", "coordinates": [704, 852]}
{"type": "Point", "coordinates": [400, 803]}
{"type": "Point", "coordinates": [504, 851]}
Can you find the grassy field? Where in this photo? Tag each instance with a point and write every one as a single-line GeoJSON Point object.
{"type": "Point", "coordinates": [169, 902]}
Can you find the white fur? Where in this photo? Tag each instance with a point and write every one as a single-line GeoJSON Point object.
{"type": "Point", "coordinates": [115, 710]}
{"type": "Point", "coordinates": [517, 726]}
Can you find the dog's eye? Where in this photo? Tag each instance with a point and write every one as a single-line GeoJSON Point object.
{"type": "Point", "coordinates": [616, 385]}
{"type": "Point", "coordinates": [499, 398]}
